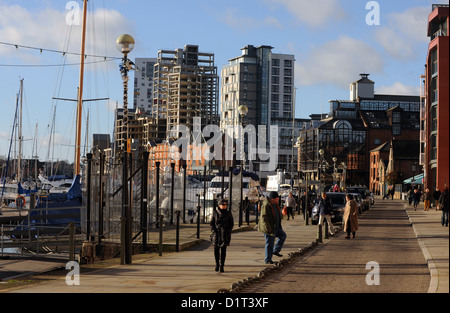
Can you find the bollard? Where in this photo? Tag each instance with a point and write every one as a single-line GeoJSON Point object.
{"type": "Point", "coordinates": [319, 234]}
{"type": "Point", "coordinates": [160, 246]}
{"type": "Point", "coordinates": [177, 239]}
{"type": "Point", "coordinates": [326, 229]}
{"type": "Point", "coordinates": [306, 217]}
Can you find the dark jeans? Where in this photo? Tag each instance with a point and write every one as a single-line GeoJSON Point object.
{"type": "Point", "coordinates": [290, 211]}
{"type": "Point", "coordinates": [349, 228]}
{"type": "Point", "coordinates": [444, 218]}
{"type": "Point", "coordinates": [220, 253]}
{"type": "Point", "coordinates": [270, 241]}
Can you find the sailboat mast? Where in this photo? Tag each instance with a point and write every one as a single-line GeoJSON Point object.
{"type": "Point", "coordinates": [80, 93]}
{"type": "Point", "coordinates": [19, 165]}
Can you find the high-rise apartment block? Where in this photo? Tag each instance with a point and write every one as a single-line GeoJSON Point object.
{"type": "Point", "coordinates": [436, 107]}
{"type": "Point", "coordinates": [185, 86]}
{"type": "Point", "coordinates": [143, 84]}
{"type": "Point", "coordinates": [264, 82]}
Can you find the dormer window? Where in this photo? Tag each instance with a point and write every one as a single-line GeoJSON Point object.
{"type": "Point", "coordinates": [396, 117]}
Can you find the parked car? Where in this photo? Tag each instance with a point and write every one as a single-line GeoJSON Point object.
{"type": "Point", "coordinates": [338, 200]}
{"type": "Point", "coordinates": [371, 198]}
{"type": "Point", "coordinates": [364, 195]}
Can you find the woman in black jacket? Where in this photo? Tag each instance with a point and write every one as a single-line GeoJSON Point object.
{"type": "Point", "coordinates": [221, 225]}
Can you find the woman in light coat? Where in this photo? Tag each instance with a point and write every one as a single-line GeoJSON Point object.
{"type": "Point", "coordinates": [350, 218]}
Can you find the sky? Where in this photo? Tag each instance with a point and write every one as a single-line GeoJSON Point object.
{"type": "Point", "coordinates": [333, 42]}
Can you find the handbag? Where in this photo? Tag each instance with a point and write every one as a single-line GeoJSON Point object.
{"type": "Point", "coordinates": [284, 211]}
{"type": "Point", "coordinates": [439, 206]}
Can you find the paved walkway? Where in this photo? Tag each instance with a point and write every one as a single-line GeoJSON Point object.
{"type": "Point", "coordinates": [192, 271]}
{"type": "Point", "coordinates": [433, 240]}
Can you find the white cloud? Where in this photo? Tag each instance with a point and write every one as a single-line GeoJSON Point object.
{"type": "Point", "coordinates": [311, 13]}
{"type": "Point", "coordinates": [398, 88]}
{"type": "Point", "coordinates": [47, 28]}
{"type": "Point", "coordinates": [338, 63]}
{"type": "Point", "coordinates": [404, 32]}
{"type": "Point", "coordinates": [232, 18]}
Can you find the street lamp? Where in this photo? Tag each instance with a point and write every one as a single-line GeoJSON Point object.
{"type": "Point", "coordinates": [243, 110]}
{"type": "Point", "coordinates": [320, 169]}
{"type": "Point", "coordinates": [334, 170]}
{"type": "Point", "coordinates": [125, 44]}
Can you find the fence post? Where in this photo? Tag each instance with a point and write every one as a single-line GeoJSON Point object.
{"type": "Point", "coordinates": [144, 202]}
{"type": "Point", "coordinates": [204, 194]}
{"type": "Point", "coordinates": [157, 191]}
{"type": "Point", "coordinates": [160, 246]}
{"type": "Point", "coordinates": [88, 191]}
{"type": "Point", "coordinates": [177, 240]}
{"type": "Point", "coordinates": [71, 241]}
{"type": "Point", "coordinates": [101, 197]}
{"type": "Point", "coordinates": [184, 191]}
{"type": "Point", "coordinates": [198, 221]}
{"type": "Point", "coordinates": [230, 190]}
{"type": "Point", "coordinates": [172, 166]}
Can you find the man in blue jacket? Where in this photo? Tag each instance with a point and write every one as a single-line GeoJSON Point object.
{"type": "Point", "coordinates": [325, 209]}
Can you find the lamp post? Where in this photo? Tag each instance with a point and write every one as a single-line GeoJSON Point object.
{"type": "Point", "coordinates": [321, 153]}
{"type": "Point", "coordinates": [334, 171]}
{"type": "Point", "coordinates": [125, 44]}
{"type": "Point", "coordinates": [344, 175]}
{"type": "Point", "coordinates": [243, 110]}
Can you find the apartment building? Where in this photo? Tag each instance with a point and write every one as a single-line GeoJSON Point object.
{"type": "Point", "coordinates": [185, 85]}
{"type": "Point", "coordinates": [143, 84]}
{"type": "Point", "coordinates": [435, 145]}
{"type": "Point", "coordinates": [263, 81]}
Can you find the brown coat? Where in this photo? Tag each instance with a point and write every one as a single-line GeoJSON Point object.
{"type": "Point", "coordinates": [351, 211]}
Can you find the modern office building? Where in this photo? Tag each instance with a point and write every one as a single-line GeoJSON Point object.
{"type": "Point", "coordinates": [263, 81]}
{"type": "Point", "coordinates": [185, 86]}
{"type": "Point", "coordinates": [143, 84]}
{"type": "Point", "coordinates": [436, 92]}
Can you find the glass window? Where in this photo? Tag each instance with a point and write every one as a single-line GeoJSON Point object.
{"type": "Point", "coordinates": [396, 129]}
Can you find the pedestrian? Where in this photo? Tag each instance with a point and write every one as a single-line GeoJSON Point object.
{"type": "Point", "coordinates": [303, 204]}
{"type": "Point", "coordinates": [325, 209]}
{"type": "Point", "coordinates": [443, 203]}
{"type": "Point", "coordinates": [410, 195]}
{"type": "Point", "coordinates": [436, 195]}
{"type": "Point", "coordinates": [426, 200]}
{"type": "Point", "coordinates": [351, 217]}
{"type": "Point", "coordinates": [221, 225]}
{"type": "Point", "coordinates": [392, 193]}
{"type": "Point", "coordinates": [290, 205]}
{"type": "Point", "coordinates": [416, 198]}
{"type": "Point", "coordinates": [270, 224]}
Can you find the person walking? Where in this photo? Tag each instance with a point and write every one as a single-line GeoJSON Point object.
{"type": "Point", "coordinates": [350, 217]}
{"type": "Point", "coordinates": [416, 198]}
{"type": "Point", "coordinates": [325, 208]}
{"type": "Point", "coordinates": [290, 205]}
{"type": "Point", "coordinates": [426, 200]}
{"type": "Point", "coordinates": [302, 200]}
{"type": "Point", "coordinates": [443, 202]}
{"type": "Point", "coordinates": [270, 225]}
{"type": "Point", "coordinates": [410, 195]}
{"type": "Point", "coordinates": [221, 225]}
{"type": "Point", "coordinates": [436, 195]}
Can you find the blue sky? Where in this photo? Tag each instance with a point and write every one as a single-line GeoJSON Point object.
{"type": "Point", "coordinates": [330, 39]}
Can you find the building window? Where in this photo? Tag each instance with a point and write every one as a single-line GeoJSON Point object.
{"type": "Point", "coordinates": [287, 72]}
{"type": "Point", "coordinates": [396, 117]}
{"type": "Point", "coordinates": [396, 129]}
{"type": "Point", "coordinates": [276, 62]}
{"type": "Point", "coordinates": [377, 141]}
{"type": "Point", "coordinates": [275, 71]}
{"type": "Point", "coordinates": [287, 63]}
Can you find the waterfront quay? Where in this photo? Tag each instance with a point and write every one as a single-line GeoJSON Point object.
{"type": "Point", "coordinates": [192, 270]}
